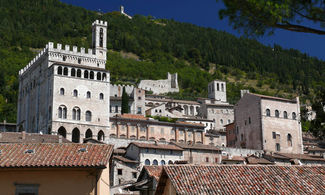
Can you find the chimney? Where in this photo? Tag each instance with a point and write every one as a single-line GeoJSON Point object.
{"type": "Point", "coordinates": [24, 135]}
{"type": "Point", "coordinates": [60, 139]}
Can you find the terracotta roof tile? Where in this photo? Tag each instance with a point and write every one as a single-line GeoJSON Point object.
{"type": "Point", "coordinates": [134, 116]}
{"type": "Point", "coordinates": [123, 159]}
{"type": "Point", "coordinates": [54, 155]}
{"type": "Point", "coordinates": [196, 146]}
{"type": "Point", "coordinates": [273, 98]}
{"type": "Point", "coordinates": [18, 137]}
{"type": "Point", "coordinates": [233, 158]}
{"type": "Point", "coordinates": [288, 156]}
{"type": "Point", "coordinates": [255, 160]}
{"type": "Point", "coordinates": [244, 179]}
{"type": "Point", "coordinates": [154, 171]}
{"type": "Point", "coordinates": [156, 146]}
{"type": "Point", "coordinates": [189, 123]}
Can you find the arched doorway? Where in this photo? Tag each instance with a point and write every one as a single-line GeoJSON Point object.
{"type": "Point", "coordinates": [100, 136]}
{"type": "Point", "coordinates": [62, 132]}
{"type": "Point", "coordinates": [75, 135]}
{"type": "Point", "coordinates": [89, 134]}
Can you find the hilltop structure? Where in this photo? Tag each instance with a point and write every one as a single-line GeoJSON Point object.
{"type": "Point", "coordinates": [67, 92]}
{"type": "Point", "coordinates": [161, 86]}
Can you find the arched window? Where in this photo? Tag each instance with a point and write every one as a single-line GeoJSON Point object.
{"type": "Point", "coordinates": [75, 135]}
{"type": "Point", "coordinates": [89, 133]}
{"type": "Point", "coordinates": [79, 73]}
{"type": "Point", "coordinates": [162, 162]}
{"type": "Point", "coordinates": [294, 116]}
{"type": "Point", "coordinates": [170, 162]}
{"type": "Point", "coordinates": [277, 114]}
{"type": "Point", "coordinates": [73, 72]}
{"type": "Point", "coordinates": [285, 114]}
{"type": "Point", "coordinates": [91, 75]}
{"type": "Point", "coordinates": [75, 93]}
{"type": "Point", "coordinates": [60, 70]}
{"type": "Point", "coordinates": [101, 96]}
{"type": "Point", "coordinates": [104, 76]}
{"type": "Point", "coordinates": [155, 162]}
{"type": "Point", "coordinates": [76, 113]}
{"type": "Point", "coordinates": [60, 112]}
{"type": "Point", "coordinates": [100, 136]}
{"type": "Point", "coordinates": [289, 139]}
{"type": "Point", "coordinates": [147, 162]}
{"type": "Point", "coordinates": [62, 91]}
{"type": "Point", "coordinates": [268, 112]}
{"type": "Point", "coordinates": [99, 76]}
{"type": "Point", "coordinates": [62, 132]}
{"type": "Point", "coordinates": [88, 95]}
{"type": "Point", "coordinates": [222, 87]}
{"type": "Point", "coordinates": [88, 115]}
{"type": "Point", "coordinates": [101, 37]}
{"type": "Point", "coordinates": [86, 74]}
{"type": "Point", "coordinates": [221, 121]}
{"type": "Point", "coordinates": [65, 71]}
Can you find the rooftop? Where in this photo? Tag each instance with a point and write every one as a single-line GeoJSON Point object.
{"type": "Point", "coordinates": [196, 146]}
{"type": "Point", "coordinates": [273, 98]}
{"type": "Point", "coordinates": [156, 146]}
{"type": "Point", "coordinates": [54, 155]}
{"type": "Point", "coordinates": [243, 179]}
{"type": "Point", "coordinates": [21, 137]}
{"type": "Point", "coordinates": [154, 171]}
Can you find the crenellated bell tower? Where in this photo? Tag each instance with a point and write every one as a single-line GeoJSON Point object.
{"type": "Point", "coordinates": [99, 39]}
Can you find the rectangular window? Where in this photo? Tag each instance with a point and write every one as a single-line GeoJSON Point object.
{"type": "Point", "coordinates": [119, 171]}
{"type": "Point", "coordinates": [216, 160]}
{"type": "Point", "coordinates": [116, 109]}
{"type": "Point", "coordinates": [27, 189]}
{"type": "Point", "coordinates": [139, 110]}
{"type": "Point", "coordinates": [206, 159]}
{"type": "Point", "coordinates": [110, 109]}
{"type": "Point", "coordinates": [277, 147]}
{"type": "Point", "coordinates": [134, 174]}
{"type": "Point", "coordinates": [273, 135]}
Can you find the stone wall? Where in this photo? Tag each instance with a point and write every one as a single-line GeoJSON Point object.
{"type": "Point", "coordinates": [161, 86]}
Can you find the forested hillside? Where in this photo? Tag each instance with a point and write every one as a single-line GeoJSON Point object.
{"type": "Point", "coordinates": [147, 48]}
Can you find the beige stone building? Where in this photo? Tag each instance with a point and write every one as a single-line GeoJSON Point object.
{"type": "Point", "coordinates": [52, 168]}
{"type": "Point", "coordinates": [66, 92]}
{"type": "Point", "coordinates": [268, 123]}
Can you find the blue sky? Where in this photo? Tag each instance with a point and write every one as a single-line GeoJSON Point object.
{"type": "Point", "coordinates": [204, 13]}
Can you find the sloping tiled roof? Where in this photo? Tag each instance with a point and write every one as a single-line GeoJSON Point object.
{"type": "Point", "coordinates": [134, 116]}
{"type": "Point", "coordinates": [54, 155]}
{"type": "Point", "coordinates": [157, 146]}
{"type": "Point", "coordinates": [196, 146]}
{"type": "Point", "coordinates": [154, 171]}
{"type": "Point", "coordinates": [288, 156]}
{"type": "Point", "coordinates": [123, 159]}
{"type": "Point", "coordinates": [189, 123]}
{"type": "Point", "coordinates": [244, 179]}
{"type": "Point", "coordinates": [316, 149]}
{"type": "Point", "coordinates": [233, 158]}
{"type": "Point", "coordinates": [19, 137]}
{"type": "Point", "coordinates": [255, 160]}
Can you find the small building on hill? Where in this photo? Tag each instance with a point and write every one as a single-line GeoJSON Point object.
{"type": "Point", "coordinates": [53, 168]}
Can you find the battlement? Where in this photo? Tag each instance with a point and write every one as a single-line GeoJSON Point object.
{"type": "Point", "coordinates": [34, 60]}
{"type": "Point", "coordinates": [100, 22]}
{"type": "Point", "coordinates": [116, 90]}
{"type": "Point", "coordinates": [67, 50]}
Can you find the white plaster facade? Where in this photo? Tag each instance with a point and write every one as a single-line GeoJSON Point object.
{"type": "Point", "coordinates": [67, 92]}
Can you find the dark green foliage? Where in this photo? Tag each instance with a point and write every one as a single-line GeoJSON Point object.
{"type": "Point", "coordinates": [125, 102]}
{"type": "Point", "coordinates": [317, 126]}
{"type": "Point", "coordinates": [169, 46]}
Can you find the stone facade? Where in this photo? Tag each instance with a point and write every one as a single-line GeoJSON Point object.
{"type": "Point", "coordinates": [268, 123]}
{"type": "Point", "coordinates": [67, 92]}
{"type": "Point", "coordinates": [161, 86]}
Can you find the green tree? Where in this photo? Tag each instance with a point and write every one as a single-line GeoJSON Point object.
{"type": "Point", "coordinates": [125, 102]}
{"type": "Point", "coordinates": [258, 17]}
{"type": "Point", "coordinates": [318, 124]}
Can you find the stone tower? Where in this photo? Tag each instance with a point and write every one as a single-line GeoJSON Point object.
{"type": "Point", "coordinates": [66, 92]}
{"type": "Point", "coordinates": [217, 91]}
{"type": "Point", "coordinates": [99, 39]}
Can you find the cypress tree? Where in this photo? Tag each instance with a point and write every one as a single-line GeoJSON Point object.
{"type": "Point", "coordinates": [125, 102]}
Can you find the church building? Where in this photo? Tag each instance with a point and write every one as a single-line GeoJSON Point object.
{"type": "Point", "coordinates": [66, 90]}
